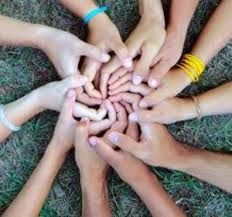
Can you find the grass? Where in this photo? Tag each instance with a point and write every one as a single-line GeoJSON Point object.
{"type": "Point", "coordinates": [23, 69]}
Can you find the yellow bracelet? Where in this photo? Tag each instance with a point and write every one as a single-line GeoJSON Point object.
{"type": "Point", "coordinates": [192, 66]}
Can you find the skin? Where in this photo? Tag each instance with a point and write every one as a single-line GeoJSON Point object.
{"type": "Point", "coordinates": [181, 12]}
{"type": "Point", "coordinates": [171, 154]}
{"type": "Point", "coordinates": [144, 183]}
{"type": "Point", "coordinates": [31, 198]}
{"type": "Point", "coordinates": [104, 35]}
{"type": "Point", "coordinates": [62, 48]}
{"type": "Point", "coordinates": [51, 97]}
{"type": "Point", "coordinates": [143, 41]}
{"type": "Point", "coordinates": [179, 109]}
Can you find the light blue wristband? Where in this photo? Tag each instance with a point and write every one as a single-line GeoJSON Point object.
{"type": "Point", "coordinates": [93, 13]}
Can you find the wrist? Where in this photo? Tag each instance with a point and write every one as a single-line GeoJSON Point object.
{"type": "Point", "coordinates": [56, 151]}
{"type": "Point", "coordinates": [98, 21]}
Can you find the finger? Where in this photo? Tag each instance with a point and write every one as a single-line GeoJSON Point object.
{"type": "Point", "coordinates": [142, 116]}
{"type": "Point", "coordinates": [66, 113]}
{"type": "Point", "coordinates": [85, 99]}
{"type": "Point", "coordinates": [158, 72]}
{"type": "Point", "coordinates": [127, 106]}
{"type": "Point", "coordinates": [74, 81]}
{"type": "Point", "coordinates": [131, 98]}
{"type": "Point", "coordinates": [104, 150]}
{"type": "Point", "coordinates": [121, 81]}
{"type": "Point", "coordinates": [121, 124]}
{"type": "Point", "coordinates": [81, 132]}
{"type": "Point", "coordinates": [117, 74]}
{"type": "Point", "coordinates": [122, 52]}
{"type": "Point", "coordinates": [124, 142]}
{"type": "Point", "coordinates": [81, 110]}
{"type": "Point", "coordinates": [94, 53]}
{"type": "Point", "coordinates": [142, 89]}
{"type": "Point", "coordinates": [90, 68]}
{"type": "Point", "coordinates": [89, 88]}
{"type": "Point", "coordinates": [133, 130]}
{"type": "Point", "coordinates": [142, 67]}
{"type": "Point", "coordinates": [97, 127]}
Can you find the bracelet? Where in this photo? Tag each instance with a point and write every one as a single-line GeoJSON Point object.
{"type": "Point", "coordinates": [197, 107]}
{"type": "Point", "coordinates": [93, 13]}
{"type": "Point", "coordinates": [192, 66]}
{"type": "Point", "coordinates": [6, 122]}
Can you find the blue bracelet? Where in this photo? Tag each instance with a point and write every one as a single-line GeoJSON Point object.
{"type": "Point", "coordinates": [93, 13]}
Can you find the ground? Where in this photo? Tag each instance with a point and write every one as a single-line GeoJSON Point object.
{"type": "Point", "coordinates": [23, 69]}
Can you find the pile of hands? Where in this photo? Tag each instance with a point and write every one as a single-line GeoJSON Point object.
{"type": "Point", "coordinates": [132, 89]}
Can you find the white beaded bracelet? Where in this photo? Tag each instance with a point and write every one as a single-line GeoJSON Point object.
{"type": "Point", "coordinates": [6, 122]}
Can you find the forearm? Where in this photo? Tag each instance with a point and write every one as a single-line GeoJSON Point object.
{"type": "Point", "coordinates": [79, 7]}
{"type": "Point", "coordinates": [20, 111]}
{"type": "Point", "coordinates": [151, 9]}
{"type": "Point", "coordinates": [216, 101]}
{"type": "Point", "coordinates": [216, 33]}
{"type": "Point", "coordinates": [18, 33]}
{"type": "Point", "coordinates": [95, 201]}
{"type": "Point", "coordinates": [31, 198]}
{"type": "Point", "coordinates": [208, 166]}
{"type": "Point", "coordinates": [155, 197]}
{"type": "Point", "coordinates": [181, 13]}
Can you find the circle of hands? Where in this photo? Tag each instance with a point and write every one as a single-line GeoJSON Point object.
{"type": "Point", "coordinates": [117, 97]}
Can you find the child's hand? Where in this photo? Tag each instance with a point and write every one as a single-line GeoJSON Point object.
{"type": "Point", "coordinates": [157, 147]}
{"type": "Point", "coordinates": [167, 57]}
{"type": "Point", "coordinates": [167, 112]}
{"type": "Point", "coordinates": [51, 96]}
{"type": "Point", "coordinates": [104, 35]}
{"type": "Point", "coordinates": [63, 136]}
{"type": "Point", "coordinates": [146, 40]}
{"type": "Point", "coordinates": [125, 164]}
{"type": "Point", "coordinates": [64, 50]}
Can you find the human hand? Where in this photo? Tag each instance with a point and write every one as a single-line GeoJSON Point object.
{"type": "Point", "coordinates": [167, 57]}
{"type": "Point", "coordinates": [51, 96]}
{"type": "Point", "coordinates": [157, 147]}
{"type": "Point", "coordinates": [167, 112]}
{"type": "Point", "coordinates": [64, 50]}
{"type": "Point", "coordinates": [124, 163]}
{"type": "Point", "coordinates": [104, 35]}
{"type": "Point", "coordinates": [63, 136]}
{"type": "Point", "coordinates": [143, 41]}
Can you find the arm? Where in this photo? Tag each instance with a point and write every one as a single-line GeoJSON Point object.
{"type": "Point", "coordinates": [216, 33]}
{"type": "Point", "coordinates": [31, 198]}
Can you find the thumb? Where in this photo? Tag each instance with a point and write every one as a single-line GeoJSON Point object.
{"type": "Point", "coordinates": [122, 52]}
{"type": "Point", "coordinates": [105, 151]}
{"type": "Point", "coordinates": [94, 53]}
{"type": "Point", "coordinates": [75, 81]}
{"type": "Point", "coordinates": [124, 142]}
{"type": "Point", "coordinates": [142, 116]}
{"type": "Point", "coordinates": [82, 131]}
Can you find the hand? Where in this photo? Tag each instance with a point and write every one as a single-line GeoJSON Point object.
{"type": "Point", "coordinates": [65, 50]}
{"type": "Point", "coordinates": [51, 96]}
{"type": "Point", "coordinates": [167, 112]}
{"type": "Point", "coordinates": [91, 166]}
{"type": "Point", "coordinates": [125, 164]}
{"type": "Point", "coordinates": [104, 35]}
{"type": "Point", "coordinates": [167, 57]}
{"type": "Point", "coordinates": [171, 85]}
{"type": "Point", "coordinates": [157, 147]}
{"type": "Point", "coordinates": [143, 41]}
{"type": "Point", "coordinates": [63, 136]}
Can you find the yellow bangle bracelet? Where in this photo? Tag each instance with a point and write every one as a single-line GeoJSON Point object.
{"type": "Point", "coordinates": [192, 66]}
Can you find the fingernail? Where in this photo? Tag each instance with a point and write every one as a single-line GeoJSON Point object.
{"type": "Point", "coordinates": [93, 142]}
{"type": "Point", "coordinates": [153, 83]}
{"type": "Point", "coordinates": [133, 117]}
{"type": "Point", "coordinates": [143, 104]}
{"type": "Point", "coordinates": [137, 80]}
{"type": "Point", "coordinates": [113, 138]}
{"type": "Point", "coordinates": [70, 93]}
{"type": "Point", "coordinates": [105, 57]}
{"type": "Point", "coordinates": [128, 63]}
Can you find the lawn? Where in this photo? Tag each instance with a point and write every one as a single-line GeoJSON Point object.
{"type": "Point", "coordinates": [23, 69]}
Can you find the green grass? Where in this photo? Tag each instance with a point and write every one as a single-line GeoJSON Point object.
{"type": "Point", "coordinates": [23, 69]}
